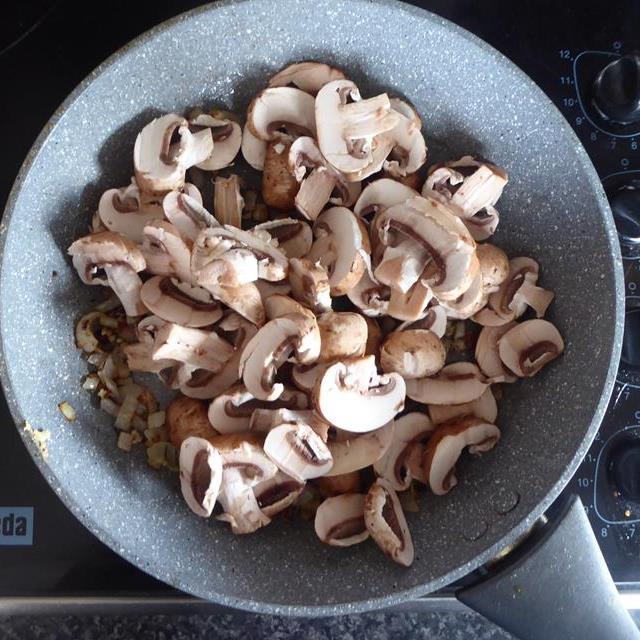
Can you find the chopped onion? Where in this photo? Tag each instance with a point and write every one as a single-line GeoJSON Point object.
{"type": "Point", "coordinates": [162, 454]}
{"type": "Point", "coordinates": [91, 382]}
{"type": "Point", "coordinates": [138, 423]}
{"type": "Point", "coordinates": [125, 441]}
{"type": "Point", "coordinates": [156, 419]}
{"type": "Point", "coordinates": [127, 409]}
{"type": "Point", "coordinates": [109, 406]}
{"type": "Point", "coordinates": [67, 411]}
{"type": "Point", "coordinates": [97, 359]}
{"type": "Point", "coordinates": [155, 434]}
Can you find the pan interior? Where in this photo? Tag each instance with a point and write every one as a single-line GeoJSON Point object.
{"type": "Point", "coordinates": [472, 101]}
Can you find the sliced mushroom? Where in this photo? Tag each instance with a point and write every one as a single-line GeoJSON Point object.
{"type": "Point", "coordinates": [268, 289]}
{"type": "Point", "coordinates": [347, 131]}
{"type": "Point", "coordinates": [111, 259]}
{"type": "Point", "coordinates": [416, 353]}
{"type": "Point", "coordinates": [298, 451]}
{"type": "Point", "coordinates": [194, 347]}
{"type": "Point", "coordinates": [292, 237]}
{"type": "Point", "coordinates": [374, 338]}
{"type": "Point", "coordinates": [179, 302]}
{"type": "Point", "coordinates": [166, 251]}
{"type": "Point", "coordinates": [279, 185]}
{"type": "Point", "coordinates": [434, 320]}
{"type": "Point", "coordinates": [278, 305]}
{"type": "Point", "coordinates": [412, 305]}
{"type": "Point", "coordinates": [310, 284]}
{"type": "Point", "coordinates": [294, 335]}
{"type": "Point", "coordinates": [359, 451]}
{"type": "Point", "coordinates": [382, 194]}
{"type": "Point", "coordinates": [484, 408]}
{"type": "Point", "coordinates": [529, 346]}
{"type": "Point", "coordinates": [342, 335]}
{"type": "Point", "coordinates": [254, 149]}
{"type": "Point", "coordinates": [456, 383]}
{"type": "Point", "coordinates": [386, 523]}
{"type": "Point", "coordinates": [231, 411]}
{"type": "Point", "coordinates": [165, 149]}
{"type": "Point", "coordinates": [281, 112]}
{"type": "Point", "coordinates": [469, 303]}
{"type": "Point", "coordinates": [494, 266]}
{"type": "Point", "coordinates": [308, 76]}
{"type": "Point", "coordinates": [227, 138]}
{"type": "Point", "coordinates": [337, 485]}
{"type": "Point", "coordinates": [412, 431]}
{"type": "Point", "coordinates": [409, 151]}
{"type": "Point", "coordinates": [488, 357]}
{"type": "Point", "coordinates": [466, 185]}
{"type": "Point", "coordinates": [483, 224]}
{"type": "Point", "coordinates": [277, 493]}
{"type": "Point", "coordinates": [263, 420]}
{"type": "Point", "coordinates": [305, 377]}
{"type": "Point", "coordinates": [353, 396]}
{"type": "Point", "coordinates": [339, 248]}
{"type": "Point", "coordinates": [369, 295]}
{"type": "Point", "coordinates": [245, 300]}
{"type": "Point", "coordinates": [200, 475]}
{"type": "Point", "coordinates": [186, 418]}
{"type": "Point", "coordinates": [227, 201]}
{"type": "Point", "coordinates": [185, 211]}
{"type": "Point", "coordinates": [139, 357]}
{"type": "Point", "coordinates": [340, 520]}
{"type": "Point", "coordinates": [123, 211]}
{"type": "Point", "coordinates": [446, 445]}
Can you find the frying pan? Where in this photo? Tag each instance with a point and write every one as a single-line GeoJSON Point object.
{"type": "Point", "coordinates": [473, 101]}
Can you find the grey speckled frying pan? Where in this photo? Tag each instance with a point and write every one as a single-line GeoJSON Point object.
{"type": "Point", "coordinates": [472, 101]}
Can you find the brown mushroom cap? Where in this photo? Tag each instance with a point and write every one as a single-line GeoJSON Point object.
{"type": "Point", "coordinates": [339, 484]}
{"type": "Point", "coordinates": [446, 445]}
{"type": "Point", "coordinates": [434, 320]}
{"type": "Point", "coordinates": [185, 418]}
{"type": "Point", "coordinates": [342, 335]}
{"type": "Point", "coordinates": [456, 383]}
{"type": "Point", "coordinates": [200, 475]}
{"type": "Point", "coordinates": [340, 522]}
{"type": "Point", "coordinates": [494, 266]}
{"type": "Point", "coordinates": [412, 354]}
{"type": "Point", "coordinates": [529, 346]}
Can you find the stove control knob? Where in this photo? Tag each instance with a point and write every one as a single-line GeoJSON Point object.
{"type": "Point", "coordinates": [616, 90]}
{"type": "Point", "coordinates": [625, 206]}
{"type": "Point", "coordinates": [624, 467]}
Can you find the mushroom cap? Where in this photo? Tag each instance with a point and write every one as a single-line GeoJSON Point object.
{"type": "Point", "coordinates": [277, 493]}
{"type": "Point", "coordinates": [254, 149]}
{"type": "Point", "coordinates": [298, 451]}
{"type": "Point", "coordinates": [353, 396]}
{"type": "Point", "coordinates": [308, 76]}
{"type": "Point", "coordinates": [278, 305]}
{"type": "Point", "coordinates": [456, 383]}
{"type": "Point", "coordinates": [310, 284]}
{"type": "Point", "coordinates": [434, 320]}
{"type": "Point", "coordinates": [469, 303]}
{"type": "Point", "coordinates": [292, 237]}
{"type": "Point", "coordinates": [245, 300]}
{"type": "Point", "coordinates": [277, 107]}
{"type": "Point", "coordinates": [329, 486]}
{"type": "Point", "coordinates": [529, 346]}
{"type": "Point", "coordinates": [415, 353]}
{"type": "Point", "coordinates": [487, 355]}
{"type": "Point", "coordinates": [381, 194]}
{"type": "Point", "coordinates": [339, 520]}
{"type": "Point", "coordinates": [494, 266]}
{"type": "Point", "coordinates": [185, 418]}
{"type": "Point", "coordinates": [227, 138]}
{"type": "Point", "coordinates": [200, 475]}
{"type": "Point", "coordinates": [446, 445]}
{"type": "Point", "coordinates": [359, 451]}
{"type": "Point", "coordinates": [386, 523]}
{"type": "Point", "coordinates": [342, 335]}
{"type": "Point", "coordinates": [485, 408]}
{"type": "Point", "coordinates": [411, 430]}
{"type": "Point", "coordinates": [179, 302]}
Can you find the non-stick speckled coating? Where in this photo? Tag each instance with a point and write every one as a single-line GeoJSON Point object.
{"type": "Point", "coordinates": [472, 100]}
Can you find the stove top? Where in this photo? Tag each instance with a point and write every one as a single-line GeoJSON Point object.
{"type": "Point", "coordinates": [583, 58]}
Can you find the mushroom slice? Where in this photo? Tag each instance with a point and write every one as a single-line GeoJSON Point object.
{"type": "Point", "coordinates": [267, 289]}
{"type": "Point", "coordinates": [483, 224]}
{"type": "Point", "coordinates": [298, 451]}
{"type": "Point", "coordinates": [446, 445]}
{"type": "Point", "coordinates": [342, 335]}
{"type": "Point", "coordinates": [494, 266]}
{"type": "Point", "coordinates": [185, 418]}
{"type": "Point", "coordinates": [339, 248]}
{"type": "Point", "coordinates": [359, 452]}
{"type": "Point", "coordinates": [386, 523]}
{"type": "Point", "coordinates": [227, 138]}
{"type": "Point", "coordinates": [165, 149]}
{"type": "Point", "coordinates": [295, 335]}
{"type": "Point", "coordinates": [111, 259]}
{"type": "Point", "coordinates": [369, 295]}
{"type": "Point", "coordinates": [337, 485]}
{"type": "Point", "coordinates": [340, 520]}
{"type": "Point", "coordinates": [278, 112]}
{"type": "Point", "coordinates": [292, 237]}
{"type": "Point", "coordinates": [254, 149]}
{"type": "Point", "coordinates": [416, 353]}
{"type": "Point", "coordinates": [434, 320]}
{"type": "Point", "coordinates": [204, 384]}
{"type": "Point", "coordinates": [165, 251]}
{"type": "Point", "coordinates": [488, 357]}
{"type": "Point", "coordinates": [308, 76]}
{"type": "Point", "coordinates": [409, 150]}
{"type": "Point", "coordinates": [353, 396]}
{"type": "Point", "coordinates": [456, 383]}
{"type": "Point", "coordinates": [263, 420]}
{"type": "Point", "coordinates": [278, 305]}
{"type": "Point", "coordinates": [279, 185]}
{"type": "Point", "coordinates": [277, 493]}
{"type": "Point", "coordinates": [310, 284]}
{"type": "Point", "coordinates": [346, 130]}
{"type": "Point", "coordinates": [227, 201]}
{"type": "Point", "coordinates": [187, 214]}
{"type": "Point", "coordinates": [529, 346]}
{"type": "Point", "coordinates": [382, 194]}
{"type": "Point", "coordinates": [466, 185]}
{"type": "Point", "coordinates": [180, 302]}
{"type": "Point", "coordinates": [245, 300]}
{"type": "Point", "coordinates": [406, 109]}
{"type": "Point", "coordinates": [411, 305]}
{"type": "Point", "coordinates": [412, 430]}
{"type": "Point", "coordinates": [139, 357]}
{"type": "Point", "coordinates": [231, 411]}
{"type": "Point", "coordinates": [200, 475]}
{"type": "Point", "coordinates": [485, 408]}
{"type": "Point", "coordinates": [305, 377]}
{"type": "Point", "coordinates": [195, 347]}
{"type": "Point", "coordinates": [122, 211]}
{"type": "Point", "coordinates": [469, 303]}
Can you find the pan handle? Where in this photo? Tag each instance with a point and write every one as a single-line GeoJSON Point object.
{"type": "Point", "coordinates": [554, 585]}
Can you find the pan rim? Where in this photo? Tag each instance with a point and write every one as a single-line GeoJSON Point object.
{"type": "Point", "coordinates": [394, 598]}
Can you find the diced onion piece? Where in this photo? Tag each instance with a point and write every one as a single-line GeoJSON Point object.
{"type": "Point", "coordinates": [162, 454]}
{"type": "Point", "coordinates": [109, 406]}
{"type": "Point", "coordinates": [156, 419]}
{"type": "Point", "coordinates": [125, 440]}
{"type": "Point", "coordinates": [127, 409]}
{"type": "Point", "coordinates": [91, 382]}
{"type": "Point", "coordinates": [156, 434]}
{"type": "Point", "coordinates": [67, 411]}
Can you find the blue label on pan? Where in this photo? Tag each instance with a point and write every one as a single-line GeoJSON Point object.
{"type": "Point", "coordinates": [16, 526]}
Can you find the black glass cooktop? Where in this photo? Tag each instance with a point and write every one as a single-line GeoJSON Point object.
{"type": "Point", "coordinates": [580, 53]}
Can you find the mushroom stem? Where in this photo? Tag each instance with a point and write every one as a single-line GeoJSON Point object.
{"type": "Point", "coordinates": [227, 201]}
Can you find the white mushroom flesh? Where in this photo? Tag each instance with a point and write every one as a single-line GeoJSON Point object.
{"type": "Point", "coordinates": [340, 522]}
